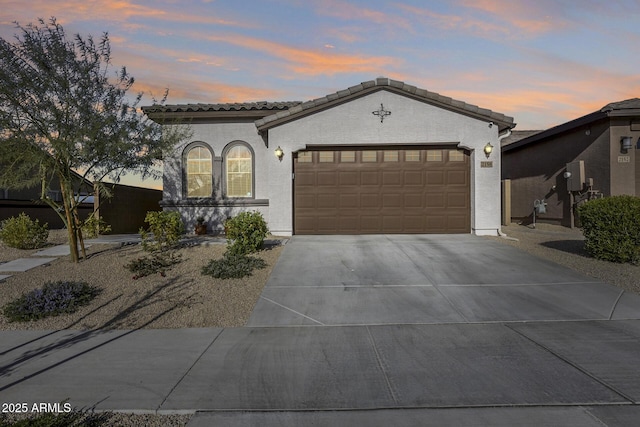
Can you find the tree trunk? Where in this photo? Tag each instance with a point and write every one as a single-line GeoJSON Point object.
{"type": "Point", "coordinates": [67, 202]}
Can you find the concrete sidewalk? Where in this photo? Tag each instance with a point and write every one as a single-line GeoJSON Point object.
{"type": "Point", "coordinates": [568, 372]}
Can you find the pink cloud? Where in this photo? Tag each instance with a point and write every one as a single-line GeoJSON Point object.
{"type": "Point", "coordinates": [310, 62]}
{"type": "Point", "coordinates": [119, 11]}
{"type": "Point", "coordinates": [347, 11]}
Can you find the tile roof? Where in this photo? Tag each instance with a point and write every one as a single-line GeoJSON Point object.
{"type": "Point", "coordinates": [626, 108]}
{"type": "Point", "coordinates": [377, 84]}
{"type": "Point", "coordinates": [628, 104]}
{"type": "Point", "coordinates": [235, 106]}
{"type": "Point", "coordinates": [517, 135]}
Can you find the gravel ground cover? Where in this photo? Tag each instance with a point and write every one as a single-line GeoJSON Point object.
{"type": "Point", "coordinates": [565, 246]}
{"type": "Point", "coordinates": [183, 299]}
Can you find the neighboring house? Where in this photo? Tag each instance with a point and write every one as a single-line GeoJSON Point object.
{"type": "Point", "coordinates": [600, 152]}
{"type": "Point", "coordinates": [379, 157]}
{"type": "Point", "coordinates": [14, 202]}
{"type": "Point", "coordinates": [124, 211]}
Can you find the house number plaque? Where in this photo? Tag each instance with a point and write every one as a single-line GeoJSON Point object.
{"type": "Point", "coordinates": [624, 159]}
{"type": "Point", "coordinates": [486, 164]}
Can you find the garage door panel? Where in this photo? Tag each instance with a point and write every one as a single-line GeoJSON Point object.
{"type": "Point", "coordinates": [414, 223]}
{"type": "Point", "coordinates": [413, 178]}
{"type": "Point", "coordinates": [392, 224]}
{"type": "Point", "coordinates": [392, 178]}
{"type": "Point", "coordinates": [457, 200]}
{"type": "Point", "coordinates": [325, 201]}
{"type": "Point", "coordinates": [413, 200]}
{"type": "Point", "coordinates": [435, 178]}
{"type": "Point", "coordinates": [371, 200]}
{"type": "Point", "coordinates": [387, 193]}
{"type": "Point", "coordinates": [305, 224]}
{"type": "Point", "coordinates": [348, 178]}
{"type": "Point", "coordinates": [305, 201]}
{"type": "Point", "coordinates": [348, 224]}
{"type": "Point", "coordinates": [326, 179]}
{"type": "Point", "coordinates": [392, 201]}
{"type": "Point", "coordinates": [435, 200]}
{"type": "Point", "coordinates": [457, 178]}
{"type": "Point", "coordinates": [327, 224]}
{"type": "Point", "coordinates": [368, 178]}
{"type": "Point", "coordinates": [370, 223]}
{"type": "Point", "coordinates": [349, 201]}
{"type": "Point", "coordinates": [305, 179]}
{"type": "Point", "coordinates": [457, 222]}
{"type": "Point", "coordinates": [436, 222]}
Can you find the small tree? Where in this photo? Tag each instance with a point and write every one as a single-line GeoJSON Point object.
{"type": "Point", "coordinates": [64, 118]}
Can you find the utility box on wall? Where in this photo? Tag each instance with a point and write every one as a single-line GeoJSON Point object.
{"type": "Point", "coordinates": [575, 178]}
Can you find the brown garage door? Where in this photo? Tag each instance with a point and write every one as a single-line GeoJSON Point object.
{"type": "Point", "coordinates": [368, 191]}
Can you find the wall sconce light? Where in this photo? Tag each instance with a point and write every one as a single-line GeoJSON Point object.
{"type": "Point", "coordinates": [567, 175]}
{"type": "Point", "coordinates": [488, 149]}
{"type": "Point", "coordinates": [626, 143]}
{"type": "Point", "coordinates": [279, 153]}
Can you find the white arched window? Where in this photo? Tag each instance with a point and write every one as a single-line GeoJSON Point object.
{"type": "Point", "coordinates": [239, 171]}
{"type": "Point", "coordinates": [199, 172]}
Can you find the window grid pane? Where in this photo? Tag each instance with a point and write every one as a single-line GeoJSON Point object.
{"type": "Point", "coordinates": [390, 156]}
{"type": "Point", "coordinates": [412, 156]}
{"type": "Point", "coordinates": [239, 177]}
{"type": "Point", "coordinates": [305, 157]}
{"type": "Point", "coordinates": [456, 156]}
{"type": "Point", "coordinates": [326, 157]}
{"type": "Point", "coordinates": [434, 155]}
{"type": "Point", "coordinates": [199, 167]}
{"type": "Point", "coordinates": [239, 172]}
{"type": "Point", "coordinates": [348, 156]}
{"type": "Point", "coordinates": [369, 156]}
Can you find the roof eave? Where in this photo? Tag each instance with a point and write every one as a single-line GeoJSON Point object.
{"type": "Point", "coordinates": [565, 127]}
{"type": "Point", "coordinates": [311, 107]}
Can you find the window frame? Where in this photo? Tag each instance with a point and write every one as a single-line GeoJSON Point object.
{"type": "Point", "coordinates": [225, 155]}
{"type": "Point", "coordinates": [185, 168]}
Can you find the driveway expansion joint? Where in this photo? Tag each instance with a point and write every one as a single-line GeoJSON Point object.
{"type": "Point", "coordinates": [158, 409]}
{"type": "Point", "coordinates": [577, 366]}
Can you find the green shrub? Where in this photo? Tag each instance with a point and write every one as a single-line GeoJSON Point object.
{"type": "Point", "coordinates": [23, 233]}
{"type": "Point", "coordinates": [246, 232]}
{"type": "Point", "coordinates": [52, 299]}
{"type": "Point", "coordinates": [157, 262]}
{"type": "Point", "coordinates": [611, 228]}
{"type": "Point", "coordinates": [233, 266]}
{"type": "Point", "coordinates": [166, 227]}
{"type": "Point", "coordinates": [94, 226]}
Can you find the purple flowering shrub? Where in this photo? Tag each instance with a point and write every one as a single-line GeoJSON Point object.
{"type": "Point", "coordinates": [53, 299]}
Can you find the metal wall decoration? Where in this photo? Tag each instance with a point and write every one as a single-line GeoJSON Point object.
{"type": "Point", "coordinates": [382, 113]}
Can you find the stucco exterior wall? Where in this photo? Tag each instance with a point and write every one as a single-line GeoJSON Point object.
{"type": "Point", "coordinates": [623, 164]}
{"type": "Point", "coordinates": [411, 122]}
{"type": "Point", "coordinates": [217, 136]}
{"type": "Point", "coordinates": [537, 168]}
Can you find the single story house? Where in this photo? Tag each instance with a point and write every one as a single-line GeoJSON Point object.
{"type": "Point", "coordinates": [379, 157]}
{"type": "Point", "coordinates": [592, 156]}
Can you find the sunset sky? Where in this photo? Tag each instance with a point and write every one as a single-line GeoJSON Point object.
{"type": "Point", "coordinates": [543, 62]}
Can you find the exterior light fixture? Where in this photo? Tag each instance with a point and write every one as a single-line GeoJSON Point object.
{"type": "Point", "coordinates": [279, 153]}
{"type": "Point", "coordinates": [488, 149]}
{"type": "Point", "coordinates": [626, 143]}
{"type": "Point", "coordinates": [567, 175]}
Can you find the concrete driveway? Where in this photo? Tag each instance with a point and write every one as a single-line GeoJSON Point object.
{"type": "Point", "coordinates": [427, 279]}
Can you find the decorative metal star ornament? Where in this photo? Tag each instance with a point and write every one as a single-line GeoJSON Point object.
{"type": "Point", "coordinates": [382, 113]}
